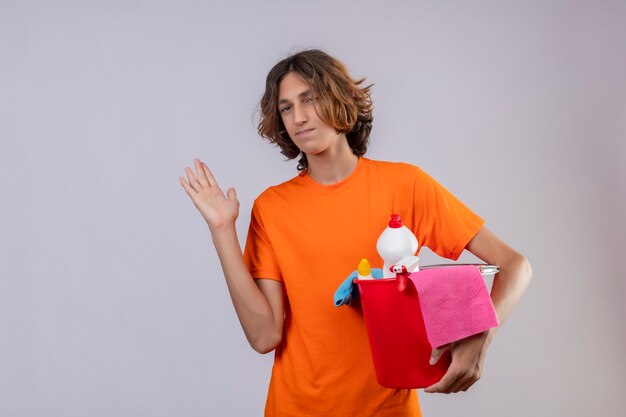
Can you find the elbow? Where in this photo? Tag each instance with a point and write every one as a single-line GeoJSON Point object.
{"type": "Point", "coordinates": [523, 268]}
{"type": "Point", "coordinates": [527, 269]}
{"type": "Point", "coordinates": [266, 344]}
{"type": "Point", "coordinates": [264, 350]}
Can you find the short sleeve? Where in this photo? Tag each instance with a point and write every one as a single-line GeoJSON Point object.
{"type": "Point", "coordinates": [258, 253]}
{"type": "Point", "coordinates": [442, 222]}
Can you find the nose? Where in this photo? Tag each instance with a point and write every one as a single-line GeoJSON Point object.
{"type": "Point", "coordinates": [299, 114]}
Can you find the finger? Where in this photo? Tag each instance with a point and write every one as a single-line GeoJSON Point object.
{"type": "Point", "coordinates": [209, 175]}
{"type": "Point", "coordinates": [193, 182]}
{"type": "Point", "coordinates": [444, 384]}
{"type": "Point", "coordinates": [210, 178]}
{"type": "Point", "coordinates": [466, 386]}
{"type": "Point", "coordinates": [232, 194]}
{"type": "Point", "coordinates": [202, 179]}
{"type": "Point", "coordinates": [469, 383]}
{"type": "Point", "coordinates": [457, 385]}
{"type": "Point", "coordinates": [436, 355]}
{"type": "Point", "coordinates": [190, 191]}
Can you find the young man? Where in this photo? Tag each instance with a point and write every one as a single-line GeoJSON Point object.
{"type": "Point", "coordinates": [307, 234]}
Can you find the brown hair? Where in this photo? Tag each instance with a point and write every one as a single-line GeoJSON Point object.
{"type": "Point", "coordinates": [344, 104]}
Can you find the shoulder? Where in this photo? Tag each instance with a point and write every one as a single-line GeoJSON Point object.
{"type": "Point", "coordinates": [402, 176]}
{"type": "Point", "coordinates": [397, 170]}
{"type": "Point", "coordinates": [277, 194]}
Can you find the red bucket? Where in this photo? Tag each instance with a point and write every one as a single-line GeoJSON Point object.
{"type": "Point", "coordinates": [400, 348]}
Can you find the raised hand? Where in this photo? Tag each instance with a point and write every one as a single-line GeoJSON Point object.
{"type": "Point", "coordinates": [219, 210]}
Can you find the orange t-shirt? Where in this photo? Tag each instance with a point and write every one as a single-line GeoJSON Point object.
{"type": "Point", "coordinates": [311, 237]}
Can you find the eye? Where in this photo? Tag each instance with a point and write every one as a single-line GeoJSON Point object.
{"type": "Point", "coordinates": [308, 100]}
{"type": "Point", "coordinates": [285, 109]}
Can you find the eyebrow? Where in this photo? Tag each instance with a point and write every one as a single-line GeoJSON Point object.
{"type": "Point", "coordinates": [306, 92]}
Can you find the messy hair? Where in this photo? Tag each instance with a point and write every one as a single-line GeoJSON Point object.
{"type": "Point", "coordinates": [344, 105]}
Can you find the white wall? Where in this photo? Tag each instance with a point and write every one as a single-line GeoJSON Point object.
{"type": "Point", "coordinates": [112, 301]}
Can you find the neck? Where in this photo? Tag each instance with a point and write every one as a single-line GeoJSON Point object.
{"type": "Point", "coordinates": [333, 164]}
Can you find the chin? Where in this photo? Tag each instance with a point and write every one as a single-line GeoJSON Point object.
{"type": "Point", "coordinates": [312, 152]}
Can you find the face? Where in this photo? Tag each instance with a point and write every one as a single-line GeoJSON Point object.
{"type": "Point", "coordinates": [299, 110]}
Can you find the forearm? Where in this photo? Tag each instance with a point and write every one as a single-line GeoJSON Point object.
{"type": "Point", "coordinates": [511, 282]}
{"type": "Point", "coordinates": [253, 309]}
{"type": "Point", "coordinates": [508, 286]}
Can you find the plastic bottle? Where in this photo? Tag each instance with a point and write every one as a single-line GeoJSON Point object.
{"type": "Point", "coordinates": [395, 243]}
{"type": "Point", "coordinates": [364, 270]}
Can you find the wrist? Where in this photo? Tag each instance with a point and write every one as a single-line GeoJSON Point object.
{"type": "Point", "coordinates": [225, 240]}
{"type": "Point", "coordinates": [489, 335]}
{"type": "Point", "coordinates": [224, 231]}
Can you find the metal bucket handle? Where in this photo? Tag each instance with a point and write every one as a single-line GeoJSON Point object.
{"type": "Point", "coordinates": [485, 269]}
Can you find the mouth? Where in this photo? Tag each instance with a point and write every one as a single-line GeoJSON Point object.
{"type": "Point", "coordinates": [304, 131]}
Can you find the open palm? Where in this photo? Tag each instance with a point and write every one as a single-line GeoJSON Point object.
{"type": "Point", "coordinates": [217, 208]}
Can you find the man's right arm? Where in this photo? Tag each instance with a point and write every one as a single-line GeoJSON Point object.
{"type": "Point", "coordinates": [260, 304]}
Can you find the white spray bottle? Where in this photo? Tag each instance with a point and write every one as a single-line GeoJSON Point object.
{"type": "Point", "coordinates": [395, 243]}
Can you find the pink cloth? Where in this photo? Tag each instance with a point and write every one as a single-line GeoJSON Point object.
{"type": "Point", "coordinates": [455, 303]}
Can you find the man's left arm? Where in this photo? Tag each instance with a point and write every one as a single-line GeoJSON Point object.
{"type": "Point", "coordinates": [468, 355]}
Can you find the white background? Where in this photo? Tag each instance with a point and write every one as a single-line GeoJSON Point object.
{"type": "Point", "coordinates": [112, 301]}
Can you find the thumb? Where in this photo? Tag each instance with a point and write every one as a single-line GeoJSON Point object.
{"type": "Point", "coordinates": [231, 193]}
{"type": "Point", "coordinates": [435, 355]}
{"type": "Point", "coordinates": [437, 352]}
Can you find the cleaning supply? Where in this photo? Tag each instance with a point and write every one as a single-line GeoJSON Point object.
{"type": "Point", "coordinates": [402, 276]}
{"type": "Point", "coordinates": [364, 270]}
{"type": "Point", "coordinates": [398, 340]}
{"type": "Point", "coordinates": [455, 302]}
{"type": "Point", "coordinates": [344, 293]}
{"type": "Point", "coordinates": [408, 316]}
{"type": "Point", "coordinates": [411, 263]}
{"type": "Point", "coordinates": [395, 243]}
